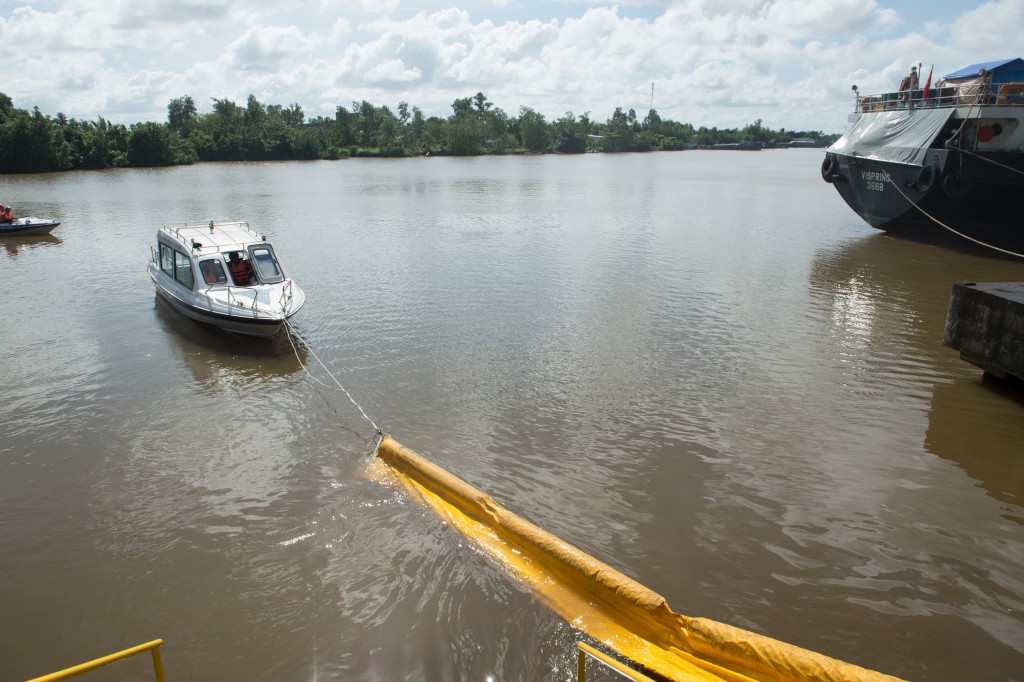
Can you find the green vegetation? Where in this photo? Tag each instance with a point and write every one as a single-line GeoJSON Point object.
{"type": "Point", "coordinates": [32, 142]}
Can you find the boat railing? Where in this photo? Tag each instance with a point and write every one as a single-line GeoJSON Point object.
{"type": "Point", "coordinates": [176, 230]}
{"type": "Point", "coordinates": [237, 302]}
{"type": "Point", "coordinates": [286, 294]}
{"type": "Point", "coordinates": [972, 93]}
{"type": "Point", "coordinates": [238, 298]}
{"type": "Point", "coordinates": [207, 224]}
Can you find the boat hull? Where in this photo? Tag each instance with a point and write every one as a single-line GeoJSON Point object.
{"type": "Point", "coordinates": [256, 325]}
{"type": "Point", "coordinates": [951, 199]}
{"type": "Point", "coordinates": [28, 227]}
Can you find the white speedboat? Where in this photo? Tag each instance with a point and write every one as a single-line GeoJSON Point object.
{"type": "Point", "coordinates": [28, 226]}
{"type": "Point", "coordinates": [225, 274]}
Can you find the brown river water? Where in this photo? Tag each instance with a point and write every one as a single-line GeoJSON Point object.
{"type": "Point", "coordinates": [700, 367]}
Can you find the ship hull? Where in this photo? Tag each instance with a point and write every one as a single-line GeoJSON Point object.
{"type": "Point", "coordinates": [956, 199]}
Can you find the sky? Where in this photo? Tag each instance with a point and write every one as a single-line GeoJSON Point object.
{"type": "Point", "coordinates": [715, 63]}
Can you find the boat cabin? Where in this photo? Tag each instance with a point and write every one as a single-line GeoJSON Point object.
{"type": "Point", "coordinates": [226, 254]}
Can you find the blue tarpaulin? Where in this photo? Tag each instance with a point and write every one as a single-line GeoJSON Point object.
{"type": "Point", "coordinates": [1003, 71]}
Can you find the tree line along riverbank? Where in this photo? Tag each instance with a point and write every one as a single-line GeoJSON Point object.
{"type": "Point", "coordinates": [32, 142]}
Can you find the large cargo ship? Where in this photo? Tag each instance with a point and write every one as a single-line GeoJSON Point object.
{"type": "Point", "coordinates": [943, 162]}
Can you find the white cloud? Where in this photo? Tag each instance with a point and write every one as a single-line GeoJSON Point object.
{"type": "Point", "coordinates": [371, 6]}
{"type": "Point", "coordinates": [340, 30]}
{"type": "Point", "coordinates": [713, 62]}
{"type": "Point", "coordinates": [394, 71]}
{"type": "Point", "coordinates": [268, 48]}
{"type": "Point", "coordinates": [801, 18]}
{"type": "Point", "coordinates": [990, 26]}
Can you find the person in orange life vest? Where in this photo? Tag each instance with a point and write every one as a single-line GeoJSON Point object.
{"type": "Point", "coordinates": [240, 270]}
{"type": "Point", "coordinates": [5, 214]}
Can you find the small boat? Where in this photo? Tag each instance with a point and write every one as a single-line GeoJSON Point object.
{"type": "Point", "coordinates": [942, 164]}
{"type": "Point", "coordinates": [225, 274]}
{"type": "Point", "coordinates": [745, 145]}
{"type": "Point", "coordinates": [28, 226]}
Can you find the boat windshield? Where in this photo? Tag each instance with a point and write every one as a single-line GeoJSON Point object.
{"type": "Point", "coordinates": [267, 267]}
{"type": "Point", "coordinates": [213, 271]}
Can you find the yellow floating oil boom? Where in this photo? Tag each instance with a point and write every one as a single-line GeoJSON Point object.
{"type": "Point", "coordinates": [599, 600]}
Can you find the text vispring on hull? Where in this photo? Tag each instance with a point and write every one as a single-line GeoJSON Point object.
{"type": "Point", "coordinates": [941, 161]}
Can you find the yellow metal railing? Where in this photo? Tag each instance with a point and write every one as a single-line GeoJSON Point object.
{"type": "Point", "coordinates": [154, 647]}
{"type": "Point", "coordinates": [585, 650]}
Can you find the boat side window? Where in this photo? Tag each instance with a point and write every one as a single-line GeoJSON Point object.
{"type": "Point", "coordinates": [183, 270]}
{"type": "Point", "coordinates": [266, 264]}
{"type": "Point", "coordinates": [213, 271]}
{"type": "Point", "coordinates": [167, 259]}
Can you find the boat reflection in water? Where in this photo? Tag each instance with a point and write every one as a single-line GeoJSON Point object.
{"type": "Point", "coordinates": [216, 356]}
{"type": "Point", "coordinates": [15, 244]}
{"type": "Point", "coordinates": [929, 551]}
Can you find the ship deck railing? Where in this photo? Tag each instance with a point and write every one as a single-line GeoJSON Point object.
{"type": "Point", "coordinates": [946, 96]}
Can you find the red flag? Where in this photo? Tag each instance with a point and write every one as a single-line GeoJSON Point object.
{"type": "Point", "coordinates": [928, 83]}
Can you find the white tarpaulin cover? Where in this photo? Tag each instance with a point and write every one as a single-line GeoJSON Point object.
{"type": "Point", "coordinates": [900, 135]}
